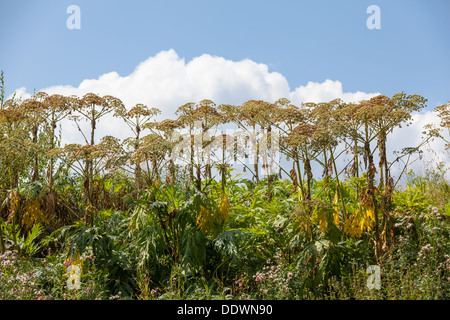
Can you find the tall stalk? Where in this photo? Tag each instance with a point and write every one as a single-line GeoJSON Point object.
{"type": "Point", "coordinates": [93, 107]}
{"type": "Point", "coordinates": [56, 108]}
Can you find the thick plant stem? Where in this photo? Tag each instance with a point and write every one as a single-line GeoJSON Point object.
{"type": "Point", "coordinates": [382, 153]}
{"type": "Point", "coordinates": [355, 159]}
{"type": "Point", "coordinates": [370, 187]}
{"type": "Point", "coordinates": [309, 175]}
{"type": "Point", "coordinates": [256, 164]}
{"type": "Point", "coordinates": [223, 167]}
{"type": "Point", "coordinates": [191, 166]}
{"type": "Point", "coordinates": [300, 179]}
{"type": "Point", "coordinates": [35, 176]}
{"type": "Point", "coordinates": [327, 174]}
{"type": "Point", "coordinates": [344, 210]}
{"type": "Point", "coordinates": [52, 146]}
{"type": "Point", "coordinates": [137, 169]}
{"type": "Point", "coordinates": [199, 178]}
{"type": "Point", "coordinates": [356, 163]}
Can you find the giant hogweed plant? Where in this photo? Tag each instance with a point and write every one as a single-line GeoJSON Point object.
{"type": "Point", "coordinates": [190, 220]}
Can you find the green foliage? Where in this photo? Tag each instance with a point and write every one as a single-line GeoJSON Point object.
{"type": "Point", "coordinates": [27, 245]}
{"type": "Point", "coordinates": [106, 241]}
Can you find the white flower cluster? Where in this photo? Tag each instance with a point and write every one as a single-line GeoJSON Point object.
{"type": "Point", "coordinates": [8, 258]}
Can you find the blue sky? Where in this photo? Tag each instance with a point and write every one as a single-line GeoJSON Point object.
{"type": "Point", "coordinates": [303, 40]}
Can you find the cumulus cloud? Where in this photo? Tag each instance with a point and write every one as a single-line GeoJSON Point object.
{"type": "Point", "coordinates": [327, 91]}
{"type": "Point", "coordinates": [166, 81]}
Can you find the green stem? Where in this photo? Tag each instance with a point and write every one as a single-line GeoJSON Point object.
{"type": "Point", "coordinates": [344, 210]}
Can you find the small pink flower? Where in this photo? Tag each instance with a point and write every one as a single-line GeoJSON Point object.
{"type": "Point", "coordinates": [68, 263]}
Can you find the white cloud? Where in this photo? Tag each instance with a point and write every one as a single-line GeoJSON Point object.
{"type": "Point", "coordinates": [20, 93]}
{"type": "Point", "coordinates": [327, 91]}
{"type": "Point", "coordinates": [166, 81]}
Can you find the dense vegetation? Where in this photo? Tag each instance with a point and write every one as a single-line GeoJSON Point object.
{"type": "Point", "coordinates": [138, 225]}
